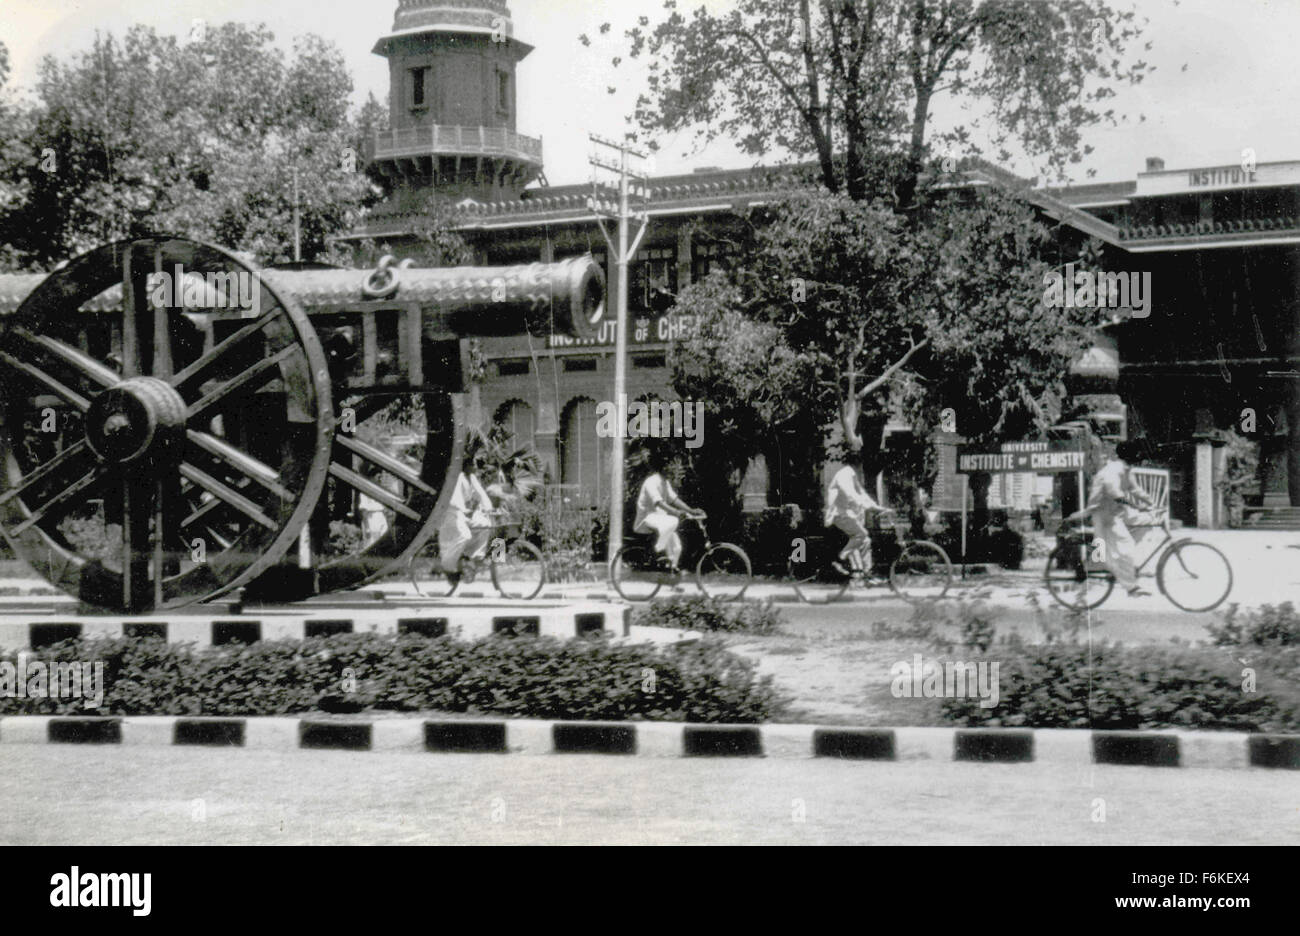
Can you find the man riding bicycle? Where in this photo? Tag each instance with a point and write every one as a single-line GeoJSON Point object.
{"type": "Point", "coordinates": [659, 510]}
{"type": "Point", "coordinates": [847, 506]}
{"type": "Point", "coordinates": [468, 524]}
{"type": "Point", "coordinates": [1114, 501]}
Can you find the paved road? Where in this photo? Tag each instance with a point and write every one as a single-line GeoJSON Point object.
{"type": "Point", "coordinates": [82, 795]}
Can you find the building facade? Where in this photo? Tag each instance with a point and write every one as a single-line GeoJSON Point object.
{"type": "Point", "coordinates": [1212, 345]}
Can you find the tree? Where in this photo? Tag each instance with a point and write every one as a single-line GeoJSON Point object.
{"type": "Point", "coordinates": [852, 83]}
{"type": "Point", "coordinates": [839, 313]}
{"type": "Point", "coordinates": [201, 139]}
{"type": "Point", "coordinates": [752, 381]}
{"type": "Point", "coordinates": [13, 126]}
{"type": "Point", "coordinates": [900, 296]}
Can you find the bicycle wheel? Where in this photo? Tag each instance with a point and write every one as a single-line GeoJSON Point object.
{"type": "Point", "coordinates": [1075, 579]}
{"type": "Point", "coordinates": [428, 578]}
{"type": "Point", "coordinates": [635, 573]}
{"type": "Point", "coordinates": [518, 570]}
{"type": "Point", "coordinates": [816, 585]}
{"type": "Point", "coordinates": [921, 572]}
{"type": "Point", "coordinates": [1194, 576]}
{"type": "Point", "coordinates": [724, 572]}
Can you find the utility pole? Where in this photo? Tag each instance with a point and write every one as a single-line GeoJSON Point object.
{"type": "Point", "coordinates": [616, 204]}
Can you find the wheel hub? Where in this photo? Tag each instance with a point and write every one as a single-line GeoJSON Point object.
{"type": "Point", "coordinates": [141, 416]}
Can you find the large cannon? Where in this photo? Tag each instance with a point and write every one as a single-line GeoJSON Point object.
{"type": "Point", "coordinates": [177, 424]}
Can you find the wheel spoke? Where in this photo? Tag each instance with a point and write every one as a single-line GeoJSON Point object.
{"type": "Point", "coordinates": [70, 396]}
{"type": "Point", "coordinates": [78, 360]}
{"type": "Point", "coordinates": [260, 472]}
{"type": "Point", "coordinates": [258, 372]}
{"type": "Point", "coordinates": [372, 490]}
{"type": "Point", "coordinates": [132, 300]}
{"type": "Point", "coordinates": [211, 357]}
{"type": "Point", "coordinates": [202, 511]}
{"type": "Point", "coordinates": [58, 500]}
{"type": "Point", "coordinates": [385, 461]}
{"type": "Point", "coordinates": [67, 456]}
{"type": "Point", "coordinates": [162, 338]}
{"type": "Point", "coordinates": [227, 494]}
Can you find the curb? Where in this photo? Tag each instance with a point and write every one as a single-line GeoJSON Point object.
{"type": "Point", "coordinates": [672, 739]}
{"type": "Point", "coordinates": [564, 620]}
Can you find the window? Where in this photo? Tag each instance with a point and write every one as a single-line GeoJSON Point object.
{"type": "Point", "coordinates": [419, 86]}
{"type": "Point", "coordinates": [513, 368]}
{"type": "Point", "coordinates": [579, 364]}
{"type": "Point", "coordinates": [503, 90]}
{"type": "Point", "coordinates": [650, 360]}
{"type": "Point", "coordinates": [652, 280]}
{"type": "Point", "coordinates": [705, 258]}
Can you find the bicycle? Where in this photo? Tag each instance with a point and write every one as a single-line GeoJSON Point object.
{"type": "Point", "coordinates": [723, 570]}
{"type": "Point", "coordinates": [921, 572]}
{"type": "Point", "coordinates": [517, 568]}
{"type": "Point", "coordinates": [1193, 575]}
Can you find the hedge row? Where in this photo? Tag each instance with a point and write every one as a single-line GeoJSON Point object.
{"type": "Point", "coordinates": [1114, 687]}
{"type": "Point", "coordinates": [520, 676]}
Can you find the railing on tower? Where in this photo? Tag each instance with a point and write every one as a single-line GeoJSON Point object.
{"type": "Point", "coordinates": [455, 141]}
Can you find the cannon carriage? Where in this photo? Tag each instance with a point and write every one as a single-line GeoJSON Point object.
{"type": "Point", "coordinates": [176, 424]}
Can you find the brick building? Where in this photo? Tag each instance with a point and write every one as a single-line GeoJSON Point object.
{"type": "Point", "coordinates": [1220, 338]}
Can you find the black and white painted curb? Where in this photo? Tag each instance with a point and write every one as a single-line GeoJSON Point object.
{"type": "Point", "coordinates": [672, 739]}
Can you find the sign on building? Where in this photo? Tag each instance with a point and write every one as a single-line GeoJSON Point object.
{"type": "Point", "coordinates": [645, 329]}
{"type": "Point", "coordinates": [1011, 457]}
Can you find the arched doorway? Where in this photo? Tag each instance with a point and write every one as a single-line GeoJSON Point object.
{"type": "Point", "coordinates": [584, 458]}
{"type": "Point", "coordinates": [518, 419]}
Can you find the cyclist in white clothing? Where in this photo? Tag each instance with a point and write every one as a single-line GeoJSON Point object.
{"type": "Point", "coordinates": [468, 523]}
{"type": "Point", "coordinates": [847, 503]}
{"type": "Point", "coordinates": [659, 510]}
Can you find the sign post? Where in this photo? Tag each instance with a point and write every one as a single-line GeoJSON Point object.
{"type": "Point", "coordinates": [1047, 457]}
{"type": "Point", "coordinates": [965, 485]}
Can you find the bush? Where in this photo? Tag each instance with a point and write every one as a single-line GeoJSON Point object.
{"type": "Point", "coordinates": [1002, 545]}
{"type": "Point", "coordinates": [695, 612]}
{"type": "Point", "coordinates": [521, 677]}
{"type": "Point", "coordinates": [1266, 626]}
{"type": "Point", "coordinates": [345, 539]}
{"type": "Point", "coordinates": [767, 536]}
{"type": "Point", "coordinates": [1126, 688]}
{"type": "Point", "coordinates": [562, 532]}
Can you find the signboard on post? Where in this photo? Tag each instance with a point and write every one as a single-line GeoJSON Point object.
{"type": "Point", "coordinates": [1054, 456]}
{"type": "Point", "coordinates": [1047, 457]}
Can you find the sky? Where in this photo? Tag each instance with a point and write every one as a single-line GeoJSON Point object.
{"type": "Point", "coordinates": [1225, 78]}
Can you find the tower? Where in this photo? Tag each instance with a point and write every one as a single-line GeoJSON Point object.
{"type": "Point", "coordinates": [452, 102]}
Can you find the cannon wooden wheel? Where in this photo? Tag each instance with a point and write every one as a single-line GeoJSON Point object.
{"type": "Point", "coordinates": [167, 423]}
{"type": "Point", "coordinates": [413, 497]}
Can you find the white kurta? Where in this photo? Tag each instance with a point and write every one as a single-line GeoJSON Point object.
{"type": "Point", "coordinates": [467, 525]}
{"type": "Point", "coordinates": [655, 493]}
{"type": "Point", "coordinates": [1110, 486]}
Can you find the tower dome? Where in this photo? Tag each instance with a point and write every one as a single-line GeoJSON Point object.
{"type": "Point", "coordinates": [482, 17]}
{"type": "Point", "coordinates": [450, 14]}
{"type": "Point", "coordinates": [452, 97]}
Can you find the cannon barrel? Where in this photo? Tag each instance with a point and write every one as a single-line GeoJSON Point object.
{"type": "Point", "coordinates": [166, 389]}
{"type": "Point", "coordinates": [564, 298]}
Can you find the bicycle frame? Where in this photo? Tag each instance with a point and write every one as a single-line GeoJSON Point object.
{"type": "Point", "coordinates": [1157, 551]}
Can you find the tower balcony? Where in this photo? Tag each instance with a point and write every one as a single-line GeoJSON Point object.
{"type": "Point", "coordinates": [439, 140]}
